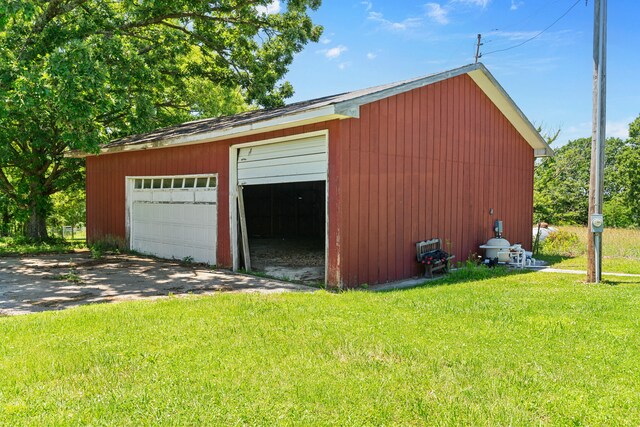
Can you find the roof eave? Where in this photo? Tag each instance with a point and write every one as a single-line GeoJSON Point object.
{"type": "Point", "coordinates": [487, 83]}
{"type": "Point", "coordinates": [351, 109]}
{"type": "Point", "coordinates": [302, 118]}
{"type": "Point", "coordinates": [352, 106]}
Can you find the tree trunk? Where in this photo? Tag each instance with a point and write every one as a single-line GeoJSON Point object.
{"type": "Point", "coordinates": [6, 219]}
{"type": "Point", "coordinates": [37, 226]}
{"type": "Point", "coordinates": [37, 205]}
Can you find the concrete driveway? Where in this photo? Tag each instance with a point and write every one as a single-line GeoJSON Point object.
{"type": "Point", "coordinates": [53, 282]}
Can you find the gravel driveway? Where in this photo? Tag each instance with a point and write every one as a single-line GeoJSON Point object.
{"type": "Point", "coordinates": [53, 282]}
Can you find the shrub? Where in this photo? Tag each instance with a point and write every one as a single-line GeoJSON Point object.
{"type": "Point", "coordinates": [562, 242]}
{"type": "Point", "coordinates": [106, 243]}
{"type": "Point", "coordinates": [617, 212]}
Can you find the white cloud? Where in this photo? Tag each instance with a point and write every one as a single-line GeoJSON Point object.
{"type": "Point", "coordinates": [582, 128]}
{"type": "Point", "coordinates": [270, 9]}
{"type": "Point", "coordinates": [619, 128]}
{"type": "Point", "coordinates": [367, 4]}
{"type": "Point", "coordinates": [391, 25]}
{"type": "Point", "coordinates": [515, 35]}
{"type": "Point", "coordinates": [437, 13]}
{"type": "Point", "coordinates": [554, 38]}
{"type": "Point", "coordinates": [615, 129]}
{"type": "Point", "coordinates": [344, 65]}
{"type": "Point", "coordinates": [515, 5]}
{"type": "Point", "coordinates": [480, 3]}
{"type": "Point", "coordinates": [325, 40]}
{"type": "Point", "coordinates": [526, 64]}
{"type": "Point", "coordinates": [371, 56]}
{"type": "Point", "coordinates": [335, 52]}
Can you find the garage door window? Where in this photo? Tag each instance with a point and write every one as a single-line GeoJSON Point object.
{"type": "Point", "coordinates": [174, 183]}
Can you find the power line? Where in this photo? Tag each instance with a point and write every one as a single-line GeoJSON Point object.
{"type": "Point", "coordinates": [537, 35]}
{"type": "Point", "coordinates": [525, 20]}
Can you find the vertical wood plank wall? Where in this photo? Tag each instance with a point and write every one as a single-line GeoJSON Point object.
{"type": "Point", "coordinates": [426, 163]}
{"type": "Point", "coordinates": [106, 184]}
{"type": "Point", "coordinates": [429, 163]}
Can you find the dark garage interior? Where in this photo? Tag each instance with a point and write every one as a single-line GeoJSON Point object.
{"type": "Point", "coordinates": [286, 228]}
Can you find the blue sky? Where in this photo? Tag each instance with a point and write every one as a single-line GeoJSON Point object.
{"type": "Point", "coordinates": [366, 43]}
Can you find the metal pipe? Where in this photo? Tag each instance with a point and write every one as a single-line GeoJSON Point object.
{"type": "Point", "coordinates": [598, 242]}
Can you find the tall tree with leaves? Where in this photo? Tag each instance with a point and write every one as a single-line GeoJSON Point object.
{"type": "Point", "coordinates": [77, 73]}
{"type": "Point", "coordinates": [562, 182]}
{"type": "Point", "coordinates": [629, 173]}
{"type": "Point", "coordinates": [69, 208]}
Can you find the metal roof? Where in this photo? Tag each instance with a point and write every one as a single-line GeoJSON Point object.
{"type": "Point", "coordinates": [340, 106]}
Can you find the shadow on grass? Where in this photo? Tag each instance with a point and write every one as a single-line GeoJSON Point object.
{"type": "Point", "coordinates": [620, 281]}
{"type": "Point", "coordinates": [553, 259]}
{"type": "Point", "coordinates": [610, 282]}
{"type": "Point", "coordinates": [468, 273]}
{"type": "Point", "coordinates": [481, 273]}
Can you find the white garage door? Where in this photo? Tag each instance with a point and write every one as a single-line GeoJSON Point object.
{"type": "Point", "coordinates": [299, 160]}
{"type": "Point", "coordinates": [174, 217]}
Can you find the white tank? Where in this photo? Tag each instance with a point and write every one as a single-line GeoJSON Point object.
{"type": "Point", "coordinates": [494, 245]}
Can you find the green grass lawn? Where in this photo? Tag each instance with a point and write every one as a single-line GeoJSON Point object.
{"type": "Point", "coordinates": [518, 349]}
{"type": "Point", "coordinates": [621, 251]}
{"type": "Point", "coordinates": [609, 264]}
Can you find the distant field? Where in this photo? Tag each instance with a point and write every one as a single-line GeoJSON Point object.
{"type": "Point", "coordinates": [621, 250]}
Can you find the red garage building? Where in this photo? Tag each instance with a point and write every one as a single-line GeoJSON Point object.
{"type": "Point", "coordinates": [358, 177]}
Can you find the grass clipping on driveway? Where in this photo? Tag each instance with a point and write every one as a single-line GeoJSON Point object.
{"type": "Point", "coordinates": [518, 349]}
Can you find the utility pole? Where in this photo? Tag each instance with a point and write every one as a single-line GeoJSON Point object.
{"type": "Point", "coordinates": [596, 222]}
{"type": "Point", "coordinates": [478, 55]}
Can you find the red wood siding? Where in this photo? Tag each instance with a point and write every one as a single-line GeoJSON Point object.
{"type": "Point", "coordinates": [106, 184]}
{"type": "Point", "coordinates": [428, 163]}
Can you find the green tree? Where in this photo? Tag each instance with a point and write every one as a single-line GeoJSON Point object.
{"type": "Point", "coordinates": [562, 182]}
{"type": "Point", "coordinates": [78, 73]}
{"type": "Point", "coordinates": [628, 173]}
{"type": "Point", "coordinates": [634, 130]}
{"type": "Point", "coordinates": [69, 208]}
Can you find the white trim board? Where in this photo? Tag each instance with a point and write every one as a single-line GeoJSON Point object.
{"type": "Point", "coordinates": [318, 115]}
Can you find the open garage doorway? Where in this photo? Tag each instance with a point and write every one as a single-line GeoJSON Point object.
{"type": "Point", "coordinates": [286, 227]}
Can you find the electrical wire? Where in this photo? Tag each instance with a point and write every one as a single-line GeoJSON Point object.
{"type": "Point", "coordinates": [524, 21]}
{"type": "Point", "coordinates": [514, 25]}
{"type": "Point", "coordinates": [537, 35]}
